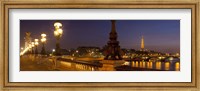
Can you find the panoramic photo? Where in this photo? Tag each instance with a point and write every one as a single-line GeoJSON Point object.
{"type": "Point", "coordinates": [99, 45]}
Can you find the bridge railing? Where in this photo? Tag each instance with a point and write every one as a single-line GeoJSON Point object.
{"type": "Point", "coordinates": [75, 65]}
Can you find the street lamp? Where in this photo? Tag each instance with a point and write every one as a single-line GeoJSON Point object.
{"type": "Point", "coordinates": [58, 33]}
{"type": "Point", "coordinates": [43, 40]}
{"type": "Point", "coordinates": [29, 49]}
{"type": "Point", "coordinates": [36, 44]}
{"type": "Point", "coordinates": [33, 45]}
{"type": "Point", "coordinates": [53, 50]}
{"type": "Point", "coordinates": [22, 49]}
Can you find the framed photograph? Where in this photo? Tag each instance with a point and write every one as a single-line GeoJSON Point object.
{"type": "Point", "coordinates": [100, 45]}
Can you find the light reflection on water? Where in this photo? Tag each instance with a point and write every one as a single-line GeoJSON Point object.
{"type": "Point", "coordinates": [158, 65]}
{"type": "Point", "coordinates": [169, 66]}
{"type": "Point", "coordinates": [136, 64]}
{"type": "Point", "coordinates": [144, 65]}
{"type": "Point", "coordinates": [177, 66]}
{"type": "Point", "coordinates": [150, 65]}
{"type": "Point", "coordinates": [140, 64]}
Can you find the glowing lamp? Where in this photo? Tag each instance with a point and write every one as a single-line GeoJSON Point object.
{"type": "Point", "coordinates": [53, 50]}
{"type": "Point", "coordinates": [43, 35]}
{"type": "Point", "coordinates": [57, 25]}
{"type": "Point", "coordinates": [36, 43]}
{"type": "Point", "coordinates": [43, 39]}
{"type": "Point", "coordinates": [60, 31]}
{"type": "Point", "coordinates": [56, 33]}
{"type": "Point", "coordinates": [36, 40]}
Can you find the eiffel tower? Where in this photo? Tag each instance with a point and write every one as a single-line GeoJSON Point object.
{"type": "Point", "coordinates": [142, 43]}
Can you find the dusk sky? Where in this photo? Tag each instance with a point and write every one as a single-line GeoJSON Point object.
{"type": "Point", "coordinates": [159, 35]}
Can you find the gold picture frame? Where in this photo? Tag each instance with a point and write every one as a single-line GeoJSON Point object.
{"type": "Point", "coordinates": [157, 86]}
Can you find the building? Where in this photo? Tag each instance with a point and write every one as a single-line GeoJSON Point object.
{"type": "Point", "coordinates": [87, 51]}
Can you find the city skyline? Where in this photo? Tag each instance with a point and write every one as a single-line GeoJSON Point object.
{"type": "Point", "coordinates": [159, 35]}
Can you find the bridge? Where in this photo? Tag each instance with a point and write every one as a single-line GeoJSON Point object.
{"type": "Point", "coordinates": [32, 62]}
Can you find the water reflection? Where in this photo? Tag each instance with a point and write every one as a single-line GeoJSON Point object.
{"type": "Point", "coordinates": [177, 66]}
{"type": "Point", "coordinates": [150, 65]}
{"type": "Point", "coordinates": [136, 64]}
{"type": "Point", "coordinates": [144, 64]}
{"type": "Point", "coordinates": [140, 64]}
{"type": "Point", "coordinates": [167, 65]}
{"type": "Point", "coordinates": [171, 66]}
{"type": "Point", "coordinates": [158, 65]}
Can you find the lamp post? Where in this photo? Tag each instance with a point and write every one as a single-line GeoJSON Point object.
{"type": "Point", "coordinates": [43, 40]}
{"type": "Point", "coordinates": [29, 49]}
{"type": "Point", "coordinates": [36, 44]}
{"type": "Point", "coordinates": [58, 33]}
{"type": "Point", "coordinates": [33, 45]}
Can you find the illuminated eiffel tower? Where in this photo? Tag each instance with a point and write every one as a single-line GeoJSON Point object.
{"type": "Point", "coordinates": [142, 43]}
